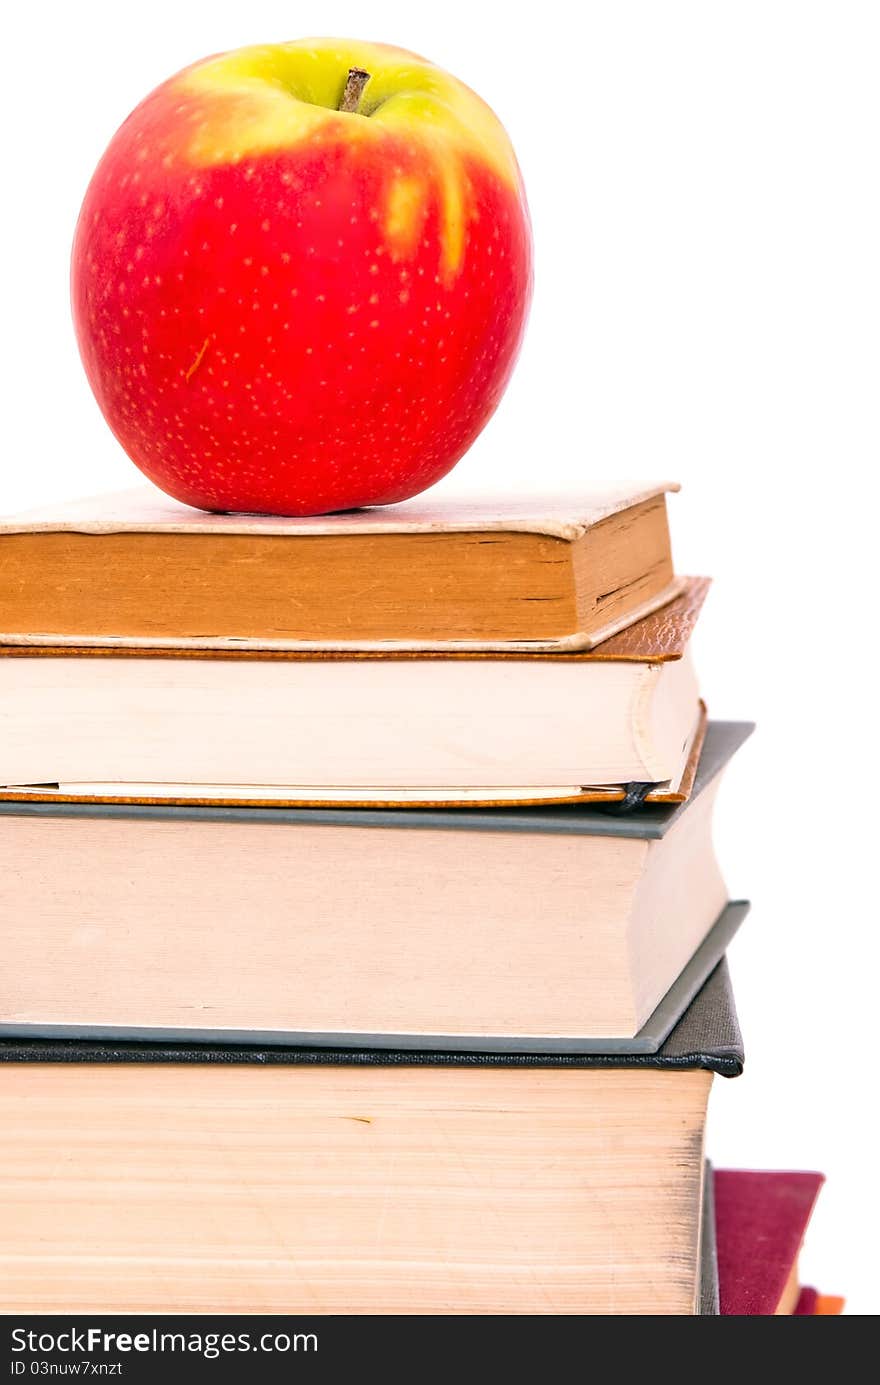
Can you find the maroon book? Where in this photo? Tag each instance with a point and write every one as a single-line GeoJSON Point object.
{"type": "Point", "coordinates": [760, 1221]}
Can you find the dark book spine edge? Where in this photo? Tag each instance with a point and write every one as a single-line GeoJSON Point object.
{"type": "Point", "coordinates": [634, 796]}
{"type": "Point", "coordinates": [724, 1062]}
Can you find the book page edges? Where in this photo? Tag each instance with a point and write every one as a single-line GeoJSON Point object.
{"type": "Point", "coordinates": [569, 644]}
{"type": "Point", "coordinates": [670, 792]}
{"type": "Point", "coordinates": [648, 1040]}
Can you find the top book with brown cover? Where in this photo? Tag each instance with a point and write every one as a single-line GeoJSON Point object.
{"type": "Point", "coordinates": [138, 569]}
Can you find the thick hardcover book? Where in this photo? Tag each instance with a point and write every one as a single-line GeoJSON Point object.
{"type": "Point", "coordinates": [251, 1179]}
{"type": "Point", "coordinates": [533, 574]}
{"type": "Point", "coordinates": [622, 724]}
{"type": "Point", "coordinates": [568, 930]}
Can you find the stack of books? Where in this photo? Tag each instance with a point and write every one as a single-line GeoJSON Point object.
{"type": "Point", "coordinates": [363, 935]}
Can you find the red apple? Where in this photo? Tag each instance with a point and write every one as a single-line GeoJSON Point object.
{"type": "Point", "coordinates": [300, 277]}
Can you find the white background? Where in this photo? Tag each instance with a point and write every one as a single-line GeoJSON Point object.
{"type": "Point", "coordinates": [703, 180]}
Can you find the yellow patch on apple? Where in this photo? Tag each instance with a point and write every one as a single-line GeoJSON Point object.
{"type": "Point", "coordinates": [276, 95]}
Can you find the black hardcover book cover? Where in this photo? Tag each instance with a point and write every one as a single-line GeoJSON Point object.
{"type": "Point", "coordinates": [706, 1036]}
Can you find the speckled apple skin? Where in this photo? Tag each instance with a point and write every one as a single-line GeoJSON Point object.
{"type": "Point", "coordinates": [261, 336]}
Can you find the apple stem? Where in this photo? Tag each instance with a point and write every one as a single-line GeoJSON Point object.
{"type": "Point", "coordinates": [354, 89]}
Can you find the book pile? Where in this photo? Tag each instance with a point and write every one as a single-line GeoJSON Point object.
{"type": "Point", "coordinates": [364, 937]}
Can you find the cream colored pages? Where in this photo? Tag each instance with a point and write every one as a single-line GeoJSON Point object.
{"type": "Point", "coordinates": [144, 509]}
{"type": "Point", "coordinates": [354, 724]}
{"type": "Point", "coordinates": [377, 796]}
{"type": "Point", "coordinates": [152, 1188]}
